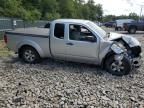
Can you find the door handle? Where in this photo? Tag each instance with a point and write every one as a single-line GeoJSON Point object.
{"type": "Point", "coordinates": [70, 44]}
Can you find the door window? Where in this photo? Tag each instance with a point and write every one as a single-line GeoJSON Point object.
{"type": "Point", "coordinates": [59, 31]}
{"type": "Point", "coordinates": [80, 33]}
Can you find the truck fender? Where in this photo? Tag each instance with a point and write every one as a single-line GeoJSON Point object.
{"type": "Point", "coordinates": [104, 54]}
{"type": "Point", "coordinates": [32, 44]}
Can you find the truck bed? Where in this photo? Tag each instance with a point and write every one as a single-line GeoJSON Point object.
{"type": "Point", "coordinates": [36, 37]}
{"type": "Point", "coordinates": [34, 32]}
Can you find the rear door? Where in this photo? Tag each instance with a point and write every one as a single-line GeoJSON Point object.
{"type": "Point", "coordinates": [57, 41]}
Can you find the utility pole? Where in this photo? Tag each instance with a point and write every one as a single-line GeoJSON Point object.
{"type": "Point", "coordinates": [141, 12]}
{"type": "Point", "coordinates": [141, 9]}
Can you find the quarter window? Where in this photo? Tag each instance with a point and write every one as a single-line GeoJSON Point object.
{"type": "Point", "coordinates": [59, 30]}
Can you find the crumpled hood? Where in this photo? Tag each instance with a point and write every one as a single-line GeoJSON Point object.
{"type": "Point", "coordinates": [131, 41]}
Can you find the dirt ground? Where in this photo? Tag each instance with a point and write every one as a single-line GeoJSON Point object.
{"type": "Point", "coordinates": [60, 84]}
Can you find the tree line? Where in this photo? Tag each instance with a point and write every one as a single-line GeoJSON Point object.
{"type": "Point", "coordinates": [31, 10]}
{"type": "Point", "coordinates": [50, 9]}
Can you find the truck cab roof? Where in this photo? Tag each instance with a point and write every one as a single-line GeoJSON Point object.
{"type": "Point", "coordinates": [70, 21]}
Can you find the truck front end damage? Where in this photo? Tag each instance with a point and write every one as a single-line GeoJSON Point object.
{"type": "Point", "coordinates": [127, 46]}
{"type": "Point", "coordinates": [133, 55]}
{"type": "Point", "coordinates": [120, 54]}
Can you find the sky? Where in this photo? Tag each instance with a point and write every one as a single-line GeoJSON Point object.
{"type": "Point", "coordinates": [121, 7]}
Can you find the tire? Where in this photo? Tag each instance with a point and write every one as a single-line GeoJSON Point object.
{"type": "Point", "coordinates": [123, 71]}
{"type": "Point", "coordinates": [119, 28]}
{"type": "Point", "coordinates": [30, 55]}
{"type": "Point", "coordinates": [132, 30]}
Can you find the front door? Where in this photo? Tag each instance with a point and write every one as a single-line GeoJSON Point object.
{"type": "Point", "coordinates": [81, 44]}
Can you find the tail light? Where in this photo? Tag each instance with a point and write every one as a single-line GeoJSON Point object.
{"type": "Point", "coordinates": [5, 38]}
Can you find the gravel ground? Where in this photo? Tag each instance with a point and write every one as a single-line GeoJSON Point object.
{"type": "Point", "coordinates": [60, 84]}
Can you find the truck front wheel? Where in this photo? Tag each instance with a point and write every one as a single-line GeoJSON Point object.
{"type": "Point", "coordinates": [30, 55]}
{"type": "Point", "coordinates": [118, 68]}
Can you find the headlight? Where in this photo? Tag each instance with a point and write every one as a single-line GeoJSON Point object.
{"type": "Point", "coordinates": [117, 49]}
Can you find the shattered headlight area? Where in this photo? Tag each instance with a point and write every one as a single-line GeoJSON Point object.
{"type": "Point", "coordinates": [117, 49]}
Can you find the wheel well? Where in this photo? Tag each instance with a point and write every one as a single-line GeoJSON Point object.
{"type": "Point", "coordinates": [133, 27]}
{"type": "Point", "coordinates": [109, 54]}
{"type": "Point", "coordinates": [24, 46]}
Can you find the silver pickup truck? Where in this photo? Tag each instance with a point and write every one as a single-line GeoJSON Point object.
{"type": "Point", "coordinates": [79, 41]}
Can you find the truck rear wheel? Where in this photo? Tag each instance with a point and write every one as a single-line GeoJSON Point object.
{"type": "Point", "coordinates": [118, 68]}
{"type": "Point", "coordinates": [30, 55]}
{"type": "Point", "coordinates": [132, 30]}
{"type": "Point", "coordinates": [119, 29]}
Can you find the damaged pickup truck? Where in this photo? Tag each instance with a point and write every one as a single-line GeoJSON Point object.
{"type": "Point", "coordinates": [79, 41]}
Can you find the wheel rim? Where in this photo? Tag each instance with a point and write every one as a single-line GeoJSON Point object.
{"type": "Point", "coordinates": [119, 29]}
{"type": "Point", "coordinates": [117, 66]}
{"type": "Point", "coordinates": [132, 30]}
{"type": "Point", "coordinates": [29, 56]}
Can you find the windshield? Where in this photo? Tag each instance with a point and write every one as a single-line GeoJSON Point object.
{"type": "Point", "coordinates": [96, 28]}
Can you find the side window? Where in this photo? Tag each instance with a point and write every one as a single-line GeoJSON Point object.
{"type": "Point", "coordinates": [59, 30]}
{"type": "Point", "coordinates": [80, 33]}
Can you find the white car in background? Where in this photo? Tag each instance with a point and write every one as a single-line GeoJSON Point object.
{"type": "Point", "coordinates": [120, 22]}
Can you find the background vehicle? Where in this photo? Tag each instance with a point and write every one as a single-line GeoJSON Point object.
{"type": "Point", "coordinates": [120, 22]}
{"type": "Point", "coordinates": [98, 24]}
{"type": "Point", "coordinates": [109, 24]}
{"type": "Point", "coordinates": [79, 41]}
{"type": "Point", "coordinates": [47, 25]}
{"type": "Point", "coordinates": [134, 26]}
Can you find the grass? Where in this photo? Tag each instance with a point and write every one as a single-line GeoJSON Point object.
{"type": "Point", "coordinates": [4, 52]}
